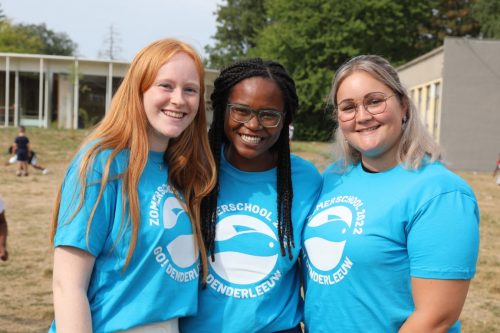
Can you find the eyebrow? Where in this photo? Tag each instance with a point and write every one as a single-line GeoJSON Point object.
{"type": "Point", "coordinates": [267, 108]}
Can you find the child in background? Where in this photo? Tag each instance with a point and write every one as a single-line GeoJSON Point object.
{"type": "Point", "coordinates": [32, 160]}
{"type": "Point", "coordinates": [22, 150]}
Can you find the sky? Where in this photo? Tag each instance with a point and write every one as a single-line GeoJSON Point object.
{"type": "Point", "coordinates": [136, 22]}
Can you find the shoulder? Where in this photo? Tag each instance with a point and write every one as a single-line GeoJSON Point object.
{"type": "Point", "coordinates": [2, 205]}
{"type": "Point", "coordinates": [301, 166]}
{"type": "Point", "coordinates": [442, 179]}
{"type": "Point", "coordinates": [336, 170]}
{"type": "Point", "coordinates": [97, 162]}
{"type": "Point", "coordinates": [306, 180]}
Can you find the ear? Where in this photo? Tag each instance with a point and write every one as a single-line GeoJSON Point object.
{"type": "Point", "coordinates": [405, 108]}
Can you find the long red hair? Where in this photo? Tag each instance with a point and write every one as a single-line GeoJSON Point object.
{"type": "Point", "coordinates": [191, 166]}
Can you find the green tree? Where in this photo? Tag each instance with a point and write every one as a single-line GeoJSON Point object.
{"type": "Point", "coordinates": [54, 43]}
{"type": "Point", "coordinates": [18, 40]}
{"type": "Point", "coordinates": [487, 13]}
{"type": "Point", "coordinates": [312, 38]}
{"type": "Point", "coordinates": [238, 22]}
{"type": "Point", "coordinates": [33, 38]}
{"type": "Point", "coordinates": [453, 18]}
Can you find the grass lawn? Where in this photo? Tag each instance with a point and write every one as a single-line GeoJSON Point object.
{"type": "Point", "coordinates": [25, 280]}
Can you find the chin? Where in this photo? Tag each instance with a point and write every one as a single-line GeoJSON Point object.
{"type": "Point", "coordinates": [174, 132]}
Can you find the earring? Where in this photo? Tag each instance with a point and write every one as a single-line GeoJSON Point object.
{"type": "Point", "coordinates": [404, 119]}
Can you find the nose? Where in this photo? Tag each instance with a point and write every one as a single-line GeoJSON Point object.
{"type": "Point", "coordinates": [177, 97]}
{"type": "Point", "coordinates": [362, 114]}
{"type": "Point", "coordinates": [253, 123]}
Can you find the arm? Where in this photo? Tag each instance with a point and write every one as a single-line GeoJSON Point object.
{"type": "Point", "coordinates": [72, 270]}
{"type": "Point", "coordinates": [4, 254]}
{"type": "Point", "coordinates": [438, 304]}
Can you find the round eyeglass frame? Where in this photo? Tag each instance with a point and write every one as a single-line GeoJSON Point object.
{"type": "Point", "coordinates": [356, 107]}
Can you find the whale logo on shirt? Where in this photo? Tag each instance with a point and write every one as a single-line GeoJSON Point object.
{"type": "Point", "coordinates": [182, 249]}
{"type": "Point", "coordinates": [246, 249]}
{"type": "Point", "coordinates": [326, 236]}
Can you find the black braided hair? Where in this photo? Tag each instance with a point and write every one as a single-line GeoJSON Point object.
{"type": "Point", "coordinates": [228, 78]}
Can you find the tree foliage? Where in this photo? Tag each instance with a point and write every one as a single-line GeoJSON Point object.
{"type": "Point", "coordinates": [487, 13]}
{"type": "Point", "coordinates": [34, 38]}
{"type": "Point", "coordinates": [17, 40]}
{"type": "Point", "coordinates": [237, 24]}
{"type": "Point", "coordinates": [453, 18]}
{"type": "Point", "coordinates": [312, 38]}
{"type": "Point", "coordinates": [55, 43]}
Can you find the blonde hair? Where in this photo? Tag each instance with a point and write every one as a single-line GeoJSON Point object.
{"type": "Point", "coordinates": [191, 166]}
{"type": "Point", "coordinates": [416, 145]}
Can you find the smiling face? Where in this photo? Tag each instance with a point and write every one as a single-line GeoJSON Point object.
{"type": "Point", "coordinates": [172, 101]}
{"type": "Point", "coordinates": [250, 142]}
{"type": "Point", "coordinates": [376, 137]}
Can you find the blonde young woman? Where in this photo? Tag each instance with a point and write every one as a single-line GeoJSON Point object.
{"type": "Point", "coordinates": [393, 240]}
{"type": "Point", "coordinates": [126, 226]}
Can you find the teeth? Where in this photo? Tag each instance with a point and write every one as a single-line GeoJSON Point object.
{"type": "Point", "coordinates": [250, 139]}
{"type": "Point", "coordinates": [369, 129]}
{"type": "Point", "coordinates": [174, 114]}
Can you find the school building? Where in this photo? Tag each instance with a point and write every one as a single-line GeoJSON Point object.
{"type": "Point", "coordinates": [456, 88]}
{"type": "Point", "coordinates": [65, 92]}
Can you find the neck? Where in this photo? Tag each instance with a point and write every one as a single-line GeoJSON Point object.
{"type": "Point", "coordinates": [157, 141]}
{"type": "Point", "coordinates": [379, 164]}
{"type": "Point", "coordinates": [263, 162]}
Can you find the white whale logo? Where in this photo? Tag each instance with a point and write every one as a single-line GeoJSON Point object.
{"type": "Point", "coordinates": [183, 249]}
{"type": "Point", "coordinates": [325, 254]}
{"type": "Point", "coordinates": [237, 233]}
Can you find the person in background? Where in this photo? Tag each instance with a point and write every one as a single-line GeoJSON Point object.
{"type": "Point", "coordinates": [22, 151]}
{"type": "Point", "coordinates": [496, 170]}
{"type": "Point", "coordinates": [126, 224]}
{"type": "Point", "coordinates": [253, 219]}
{"type": "Point", "coordinates": [32, 160]}
{"type": "Point", "coordinates": [4, 254]}
{"type": "Point", "coordinates": [393, 240]}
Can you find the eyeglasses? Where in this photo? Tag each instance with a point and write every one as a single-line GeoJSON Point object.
{"type": "Point", "coordinates": [242, 114]}
{"type": "Point", "coordinates": [374, 103]}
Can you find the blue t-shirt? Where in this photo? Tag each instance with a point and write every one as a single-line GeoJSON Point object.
{"type": "Point", "coordinates": [22, 142]}
{"type": "Point", "coordinates": [370, 233]}
{"type": "Point", "coordinates": [161, 281]}
{"type": "Point", "coordinates": [251, 287]}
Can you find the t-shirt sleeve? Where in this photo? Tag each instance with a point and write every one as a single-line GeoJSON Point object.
{"type": "Point", "coordinates": [443, 240]}
{"type": "Point", "coordinates": [72, 230]}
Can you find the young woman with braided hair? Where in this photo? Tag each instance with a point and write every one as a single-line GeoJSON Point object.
{"type": "Point", "coordinates": [126, 223]}
{"type": "Point", "coordinates": [253, 219]}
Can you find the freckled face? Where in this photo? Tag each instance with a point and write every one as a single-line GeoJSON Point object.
{"type": "Point", "coordinates": [250, 142]}
{"type": "Point", "coordinates": [376, 137]}
{"type": "Point", "coordinates": [172, 101]}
